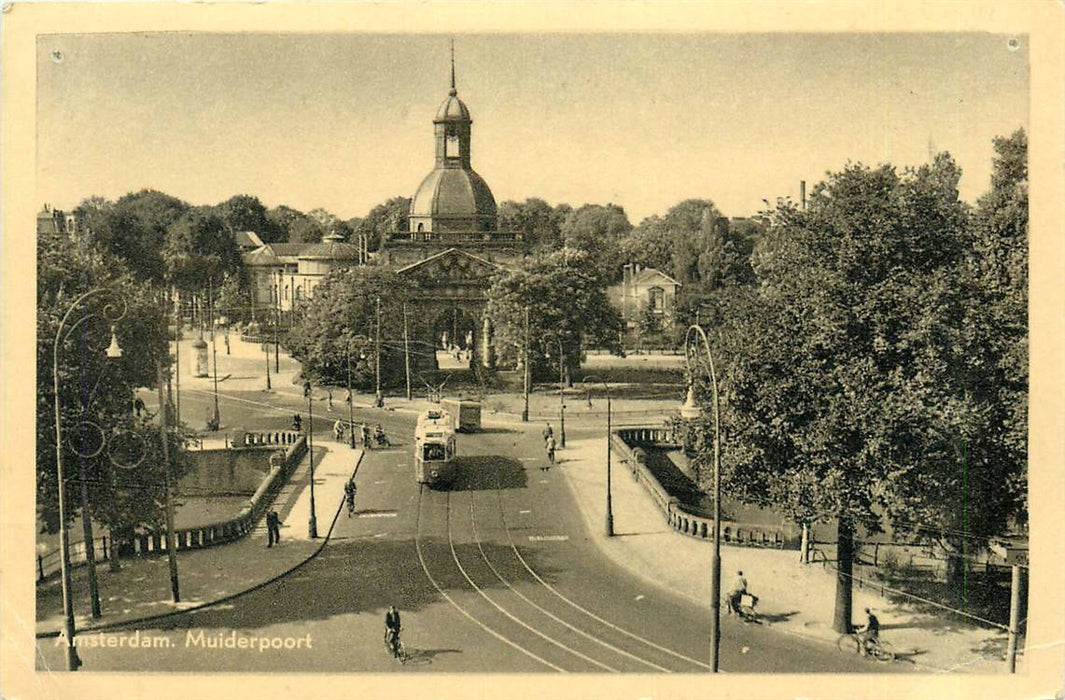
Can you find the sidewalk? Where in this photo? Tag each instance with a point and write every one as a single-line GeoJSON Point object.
{"type": "Point", "coordinates": [142, 587]}
{"type": "Point", "coordinates": [802, 596]}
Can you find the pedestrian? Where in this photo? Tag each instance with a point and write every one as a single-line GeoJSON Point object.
{"type": "Point", "coordinates": [550, 445]}
{"type": "Point", "coordinates": [329, 399]}
{"type": "Point", "coordinates": [338, 430]}
{"type": "Point", "coordinates": [364, 432]}
{"type": "Point", "coordinates": [297, 422]}
{"type": "Point", "coordinates": [138, 406]}
{"type": "Point", "coordinates": [547, 432]}
{"type": "Point", "coordinates": [349, 495]}
{"type": "Point", "coordinates": [273, 529]}
{"type": "Point", "coordinates": [347, 399]}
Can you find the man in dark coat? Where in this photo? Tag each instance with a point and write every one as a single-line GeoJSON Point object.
{"type": "Point", "coordinates": [273, 528]}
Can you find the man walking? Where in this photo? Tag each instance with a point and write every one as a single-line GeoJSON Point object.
{"type": "Point", "coordinates": [273, 528]}
{"type": "Point", "coordinates": [547, 432]}
{"type": "Point", "coordinates": [550, 446]}
{"type": "Point", "coordinates": [349, 495]}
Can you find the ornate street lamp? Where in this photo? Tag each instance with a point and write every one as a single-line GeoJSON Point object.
{"type": "Point", "coordinates": [692, 338]}
{"type": "Point", "coordinates": [112, 314]}
{"type": "Point", "coordinates": [312, 523]}
{"type": "Point", "coordinates": [609, 506]}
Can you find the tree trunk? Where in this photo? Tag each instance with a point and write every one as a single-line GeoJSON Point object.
{"type": "Point", "coordinates": [841, 621]}
{"type": "Point", "coordinates": [804, 544]}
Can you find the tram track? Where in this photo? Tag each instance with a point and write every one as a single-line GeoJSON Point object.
{"type": "Point", "coordinates": [462, 610]}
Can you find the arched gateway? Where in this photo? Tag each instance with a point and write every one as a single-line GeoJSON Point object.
{"type": "Point", "coordinates": [453, 247]}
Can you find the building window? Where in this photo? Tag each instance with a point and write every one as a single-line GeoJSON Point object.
{"type": "Point", "coordinates": [452, 147]}
{"type": "Point", "coordinates": [657, 297]}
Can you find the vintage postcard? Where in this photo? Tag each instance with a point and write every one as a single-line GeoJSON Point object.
{"type": "Point", "coordinates": [440, 350]}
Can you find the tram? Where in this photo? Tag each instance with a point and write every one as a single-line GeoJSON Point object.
{"type": "Point", "coordinates": [434, 448]}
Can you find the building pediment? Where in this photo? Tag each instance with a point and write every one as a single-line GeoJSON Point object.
{"type": "Point", "coordinates": [452, 267]}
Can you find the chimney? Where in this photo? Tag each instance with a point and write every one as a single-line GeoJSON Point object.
{"type": "Point", "coordinates": [802, 193]}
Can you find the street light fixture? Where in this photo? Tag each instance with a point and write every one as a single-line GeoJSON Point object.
{"type": "Point", "coordinates": [312, 523]}
{"type": "Point", "coordinates": [111, 313]}
{"type": "Point", "coordinates": [609, 439]}
{"type": "Point", "coordinates": [561, 394]}
{"type": "Point", "coordinates": [690, 409]}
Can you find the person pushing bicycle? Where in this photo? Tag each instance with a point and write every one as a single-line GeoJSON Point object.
{"type": "Point", "coordinates": [869, 633]}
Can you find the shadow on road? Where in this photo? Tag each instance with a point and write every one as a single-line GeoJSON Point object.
{"type": "Point", "coordinates": [487, 472]}
{"type": "Point", "coordinates": [426, 656]}
{"type": "Point", "coordinates": [366, 576]}
{"type": "Point", "coordinates": [777, 617]}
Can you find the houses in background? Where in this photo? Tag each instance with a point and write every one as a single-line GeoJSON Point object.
{"type": "Point", "coordinates": [645, 296]}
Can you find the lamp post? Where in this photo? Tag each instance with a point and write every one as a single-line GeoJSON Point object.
{"type": "Point", "coordinates": [561, 395]}
{"type": "Point", "coordinates": [691, 410]}
{"type": "Point", "coordinates": [312, 523]}
{"type": "Point", "coordinates": [379, 400]}
{"type": "Point", "coordinates": [609, 502]}
{"type": "Point", "coordinates": [113, 351]}
{"type": "Point", "coordinates": [526, 376]}
{"type": "Point", "coordinates": [214, 351]}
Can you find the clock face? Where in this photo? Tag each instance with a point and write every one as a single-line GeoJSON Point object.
{"type": "Point", "coordinates": [452, 146]}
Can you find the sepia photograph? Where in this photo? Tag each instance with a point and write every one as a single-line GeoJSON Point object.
{"type": "Point", "coordinates": [510, 352]}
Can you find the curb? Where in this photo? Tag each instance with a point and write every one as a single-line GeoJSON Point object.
{"type": "Point", "coordinates": [224, 599]}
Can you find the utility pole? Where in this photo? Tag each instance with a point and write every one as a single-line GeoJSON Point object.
{"type": "Point", "coordinates": [214, 350]}
{"type": "Point", "coordinates": [526, 372]}
{"type": "Point", "coordinates": [266, 349]}
{"type": "Point", "coordinates": [561, 395]}
{"type": "Point", "coordinates": [177, 361]}
{"type": "Point", "coordinates": [277, 322]}
{"type": "Point", "coordinates": [312, 523]}
{"type": "Point", "coordinates": [406, 349]}
{"type": "Point", "coordinates": [351, 402]}
{"type": "Point", "coordinates": [171, 545]}
{"type": "Point", "coordinates": [1015, 618]}
{"type": "Point", "coordinates": [378, 399]}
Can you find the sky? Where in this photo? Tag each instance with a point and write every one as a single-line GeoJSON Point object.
{"type": "Point", "coordinates": [344, 121]}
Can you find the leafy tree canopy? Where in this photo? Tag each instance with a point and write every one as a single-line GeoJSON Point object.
{"type": "Point", "coordinates": [567, 304]}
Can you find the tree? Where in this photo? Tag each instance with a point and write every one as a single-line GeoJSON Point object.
{"type": "Point", "coordinates": [344, 307]}
{"type": "Point", "coordinates": [199, 249]}
{"type": "Point", "coordinates": [567, 304]}
{"type": "Point", "coordinates": [385, 221]}
{"type": "Point", "coordinates": [597, 230]}
{"type": "Point", "coordinates": [243, 212]}
{"type": "Point", "coordinates": [840, 370]}
{"type": "Point", "coordinates": [119, 232]}
{"type": "Point", "coordinates": [96, 390]}
{"type": "Point", "coordinates": [534, 219]}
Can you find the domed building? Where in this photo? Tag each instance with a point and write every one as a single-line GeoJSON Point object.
{"type": "Point", "coordinates": [453, 202]}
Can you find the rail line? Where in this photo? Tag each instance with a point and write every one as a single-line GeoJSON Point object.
{"type": "Point", "coordinates": [538, 633]}
{"type": "Point", "coordinates": [551, 615]}
{"type": "Point", "coordinates": [449, 599]}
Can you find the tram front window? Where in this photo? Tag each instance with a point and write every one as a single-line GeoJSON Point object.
{"type": "Point", "coordinates": [433, 453]}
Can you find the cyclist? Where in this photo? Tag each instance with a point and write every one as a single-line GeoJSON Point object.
{"type": "Point", "coordinates": [869, 633]}
{"type": "Point", "coordinates": [736, 593]}
{"type": "Point", "coordinates": [338, 430]}
{"type": "Point", "coordinates": [349, 496]}
{"type": "Point", "coordinates": [392, 629]}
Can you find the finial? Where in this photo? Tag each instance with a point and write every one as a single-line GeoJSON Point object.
{"type": "Point", "coordinates": [453, 91]}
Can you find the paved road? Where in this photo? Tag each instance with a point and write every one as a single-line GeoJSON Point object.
{"type": "Point", "coordinates": [495, 574]}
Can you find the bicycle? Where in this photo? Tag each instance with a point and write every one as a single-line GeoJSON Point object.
{"type": "Point", "coordinates": [395, 645]}
{"type": "Point", "coordinates": [745, 609]}
{"type": "Point", "coordinates": [874, 648]}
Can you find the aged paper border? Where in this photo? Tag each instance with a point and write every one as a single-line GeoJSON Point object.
{"type": "Point", "coordinates": [1041, 20]}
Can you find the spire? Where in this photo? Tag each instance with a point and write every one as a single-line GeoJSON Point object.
{"type": "Point", "coordinates": [453, 91]}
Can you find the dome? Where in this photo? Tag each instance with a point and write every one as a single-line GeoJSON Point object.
{"type": "Point", "coordinates": [452, 109]}
{"type": "Point", "coordinates": [453, 192]}
{"type": "Point", "coordinates": [332, 247]}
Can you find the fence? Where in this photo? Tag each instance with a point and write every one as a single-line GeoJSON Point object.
{"type": "Point", "coordinates": [221, 532]}
{"type": "Point", "coordinates": [632, 444]}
